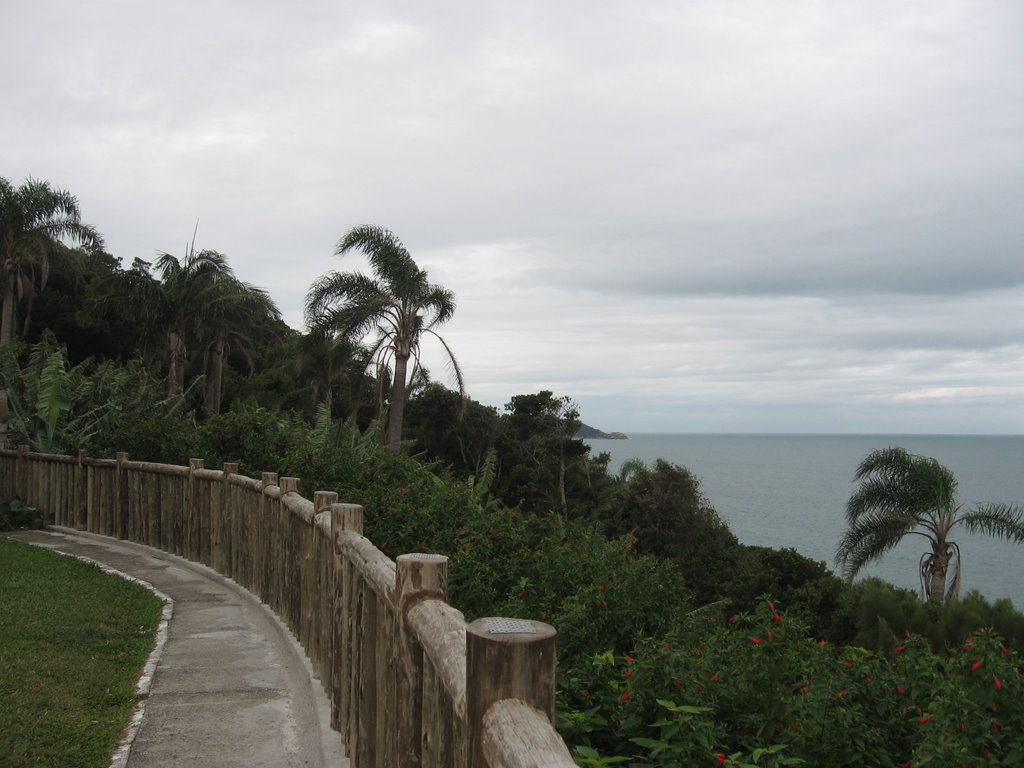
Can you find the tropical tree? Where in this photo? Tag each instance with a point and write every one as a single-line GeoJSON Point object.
{"type": "Point", "coordinates": [34, 218]}
{"type": "Point", "coordinates": [234, 312]}
{"type": "Point", "coordinates": [397, 307]}
{"type": "Point", "coordinates": [902, 493]}
{"type": "Point", "coordinates": [332, 365]}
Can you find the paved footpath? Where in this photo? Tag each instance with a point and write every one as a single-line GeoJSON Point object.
{"type": "Point", "coordinates": [231, 686]}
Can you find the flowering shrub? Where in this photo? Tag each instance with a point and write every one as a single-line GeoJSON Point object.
{"type": "Point", "coordinates": [755, 690]}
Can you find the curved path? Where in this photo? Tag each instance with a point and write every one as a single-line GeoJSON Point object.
{"type": "Point", "coordinates": [231, 686]}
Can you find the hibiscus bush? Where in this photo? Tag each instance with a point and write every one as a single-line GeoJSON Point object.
{"type": "Point", "coordinates": [756, 690]}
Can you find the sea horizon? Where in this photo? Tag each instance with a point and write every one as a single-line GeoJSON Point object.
{"type": "Point", "coordinates": [790, 490]}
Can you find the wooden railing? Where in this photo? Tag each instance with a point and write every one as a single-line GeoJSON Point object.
{"type": "Point", "coordinates": [411, 683]}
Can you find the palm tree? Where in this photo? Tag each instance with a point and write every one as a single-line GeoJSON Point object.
{"type": "Point", "coordinates": [332, 365]}
{"type": "Point", "coordinates": [902, 493]}
{"type": "Point", "coordinates": [234, 311]}
{"type": "Point", "coordinates": [34, 218]}
{"type": "Point", "coordinates": [398, 305]}
{"type": "Point", "coordinates": [183, 300]}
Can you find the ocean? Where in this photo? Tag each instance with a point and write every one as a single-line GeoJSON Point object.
{"type": "Point", "coordinates": [791, 491]}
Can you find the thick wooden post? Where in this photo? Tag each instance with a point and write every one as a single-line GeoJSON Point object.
{"type": "Point", "coordinates": [5, 414]}
{"type": "Point", "coordinates": [507, 659]}
{"type": "Point", "coordinates": [314, 602]}
{"type": "Point", "coordinates": [193, 548]}
{"type": "Point", "coordinates": [79, 501]}
{"type": "Point", "coordinates": [119, 523]}
{"type": "Point", "coordinates": [224, 541]}
{"type": "Point", "coordinates": [418, 577]}
{"type": "Point", "coordinates": [21, 480]}
{"type": "Point", "coordinates": [344, 518]}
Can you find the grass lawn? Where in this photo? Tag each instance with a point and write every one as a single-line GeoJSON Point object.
{"type": "Point", "coordinates": [73, 641]}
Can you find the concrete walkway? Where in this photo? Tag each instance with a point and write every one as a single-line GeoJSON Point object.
{"type": "Point", "coordinates": [231, 686]}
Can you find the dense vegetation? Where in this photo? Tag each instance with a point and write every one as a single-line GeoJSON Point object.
{"type": "Point", "coordinates": [677, 643]}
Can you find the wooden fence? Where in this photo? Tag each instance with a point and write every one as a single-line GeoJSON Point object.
{"type": "Point", "coordinates": [411, 683]}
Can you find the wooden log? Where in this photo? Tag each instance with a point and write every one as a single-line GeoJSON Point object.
{"type": "Point", "coordinates": [518, 736]}
{"type": "Point", "coordinates": [377, 568]}
{"type": "Point", "coordinates": [440, 631]}
{"type": "Point", "coordinates": [506, 659]}
{"type": "Point", "coordinates": [419, 577]}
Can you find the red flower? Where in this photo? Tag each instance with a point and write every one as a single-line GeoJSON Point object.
{"type": "Point", "coordinates": [899, 689]}
{"type": "Point", "coordinates": [924, 720]}
{"type": "Point", "coordinates": [771, 606]}
{"type": "Point", "coordinates": [756, 640]}
{"type": "Point", "coordinates": [715, 678]}
{"type": "Point", "coordinates": [977, 665]}
{"type": "Point", "coordinates": [998, 685]}
{"type": "Point", "coordinates": [900, 648]}
{"type": "Point", "coordinates": [848, 664]}
{"type": "Point", "coordinates": [720, 758]}
{"type": "Point", "coordinates": [677, 683]}
{"type": "Point", "coordinates": [629, 674]}
{"type": "Point", "coordinates": [734, 618]}
{"type": "Point", "coordinates": [840, 694]}
{"type": "Point", "coordinates": [905, 765]}
{"type": "Point", "coordinates": [777, 619]}
{"type": "Point", "coordinates": [624, 698]}
{"type": "Point", "coordinates": [629, 659]}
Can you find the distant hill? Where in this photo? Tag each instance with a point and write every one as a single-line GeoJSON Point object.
{"type": "Point", "coordinates": [589, 433]}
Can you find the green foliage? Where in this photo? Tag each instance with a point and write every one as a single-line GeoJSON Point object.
{"type": "Point", "coordinates": [15, 514]}
{"type": "Point", "coordinates": [754, 688]}
{"type": "Point", "coordinates": [664, 509]}
{"type": "Point", "coordinates": [255, 438]}
{"type": "Point", "coordinates": [456, 432]}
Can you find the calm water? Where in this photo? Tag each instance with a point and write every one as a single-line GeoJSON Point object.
{"type": "Point", "coordinates": [791, 491]}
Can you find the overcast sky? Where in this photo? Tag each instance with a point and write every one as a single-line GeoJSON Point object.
{"type": "Point", "coordinates": [721, 216]}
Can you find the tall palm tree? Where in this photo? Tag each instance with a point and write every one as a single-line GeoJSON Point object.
{"type": "Point", "coordinates": [234, 312]}
{"type": "Point", "coordinates": [398, 305]}
{"type": "Point", "coordinates": [902, 493]}
{"type": "Point", "coordinates": [34, 218]}
{"type": "Point", "coordinates": [184, 297]}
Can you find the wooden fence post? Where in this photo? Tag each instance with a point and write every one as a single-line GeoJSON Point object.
{"type": "Point", "coordinates": [21, 481]}
{"type": "Point", "coordinates": [193, 525]}
{"type": "Point", "coordinates": [507, 659]}
{"type": "Point", "coordinates": [266, 526]}
{"type": "Point", "coordinates": [119, 524]}
{"type": "Point", "coordinates": [314, 602]}
{"type": "Point", "coordinates": [344, 517]}
{"type": "Point", "coordinates": [223, 542]}
{"type": "Point", "coordinates": [5, 414]}
{"type": "Point", "coordinates": [418, 577]}
{"type": "Point", "coordinates": [80, 501]}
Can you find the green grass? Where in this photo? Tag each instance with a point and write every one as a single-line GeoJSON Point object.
{"type": "Point", "coordinates": [73, 641]}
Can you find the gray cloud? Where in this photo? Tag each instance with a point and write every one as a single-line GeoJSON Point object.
{"type": "Point", "coordinates": [715, 215]}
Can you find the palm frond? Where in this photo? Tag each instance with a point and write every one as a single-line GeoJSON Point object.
{"type": "Point", "coordinates": [869, 538]}
{"type": "Point", "coordinates": [1004, 521]}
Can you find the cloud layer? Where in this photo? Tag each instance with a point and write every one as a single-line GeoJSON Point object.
{"type": "Point", "coordinates": [710, 216]}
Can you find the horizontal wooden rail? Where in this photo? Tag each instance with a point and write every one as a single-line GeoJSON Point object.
{"type": "Point", "coordinates": [411, 683]}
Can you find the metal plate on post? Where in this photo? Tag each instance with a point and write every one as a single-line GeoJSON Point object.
{"type": "Point", "coordinates": [425, 556]}
{"type": "Point", "coordinates": [510, 627]}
